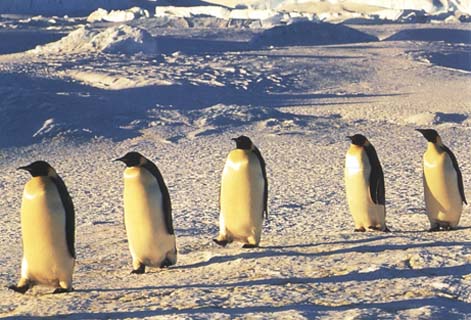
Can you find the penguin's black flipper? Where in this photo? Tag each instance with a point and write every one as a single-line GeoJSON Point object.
{"type": "Point", "coordinates": [264, 173]}
{"type": "Point", "coordinates": [166, 203]}
{"type": "Point", "coordinates": [69, 213]}
{"type": "Point", "coordinates": [458, 172]}
{"type": "Point", "coordinates": [377, 191]}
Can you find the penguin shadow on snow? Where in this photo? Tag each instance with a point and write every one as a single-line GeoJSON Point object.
{"type": "Point", "coordinates": [353, 241]}
{"type": "Point", "coordinates": [447, 308]}
{"type": "Point", "coordinates": [382, 273]}
{"type": "Point", "coordinates": [458, 228]}
{"type": "Point", "coordinates": [270, 252]}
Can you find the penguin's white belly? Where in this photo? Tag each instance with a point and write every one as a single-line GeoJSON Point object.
{"type": "Point", "coordinates": [364, 211]}
{"type": "Point", "coordinates": [442, 197]}
{"type": "Point", "coordinates": [46, 258]}
{"type": "Point", "coordinates": [242, 189]}
{"type": "Point", "coordinates": [149, 241]}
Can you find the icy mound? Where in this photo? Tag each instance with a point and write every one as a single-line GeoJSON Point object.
{"type": "Point", "coordinates": [121, 39]}
{"type": "Point", "coordinates": [446, 35]}
{"type": "Point", "coordinates": [436, 118]}
{"type": "Point", "coordinates": [188, 12]}
{"type": "Point", "coordinates": [221, 115]}
{"type": "Point", "coordinates": [118, 15]}
{"type": "Point", "coordinates": [310, 33]}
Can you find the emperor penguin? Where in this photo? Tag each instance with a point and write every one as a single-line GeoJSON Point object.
{"type": "Point", "coordinates": [147, 214]}
{"type": "Point", "coordinates": [364, 184]}
{"type": "Point", "coordinates": [443, 183]}
{"type": "Point", "coordinates": [244, 195]}
{"type": "Point", "coordinates": [48, 231]}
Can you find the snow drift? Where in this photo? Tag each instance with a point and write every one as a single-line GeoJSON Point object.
{"type": "Point", "coordinates": [433, 34]}
{"type": "Point", "coordinates": [436, 118]}
{"type": "Point", "coordinates": [309, 33]}
{"type": "Point", "coordinates": [121, 39]}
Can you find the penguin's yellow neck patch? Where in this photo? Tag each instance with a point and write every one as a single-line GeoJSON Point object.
{"type": "Point", "coordinates": [29, 196]}
{"type": "Point", "coordinates": [353, 159]}
{"type": "Point", "coordinates": [131, 172]}
{"type": "Point", "coordinates": [354, 149]}
{"type": "Point", "coordinates": [237, 158]}
{"type": "Point", "coordinates": [34, 187]}
{"type": "Point", "coordinates": [234, 165]}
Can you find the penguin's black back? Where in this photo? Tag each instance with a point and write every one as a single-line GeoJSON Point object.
{"type": "Point", "coordinates": [167, 205]}
{"type": "Point", "coordinates": [69, 213]}
{"type": "Point", "coordinates": [264, 172]}
{"type": "Point", "coordinates": [377, 191]}
{"type": "Point", "coordinates": [458, 171]}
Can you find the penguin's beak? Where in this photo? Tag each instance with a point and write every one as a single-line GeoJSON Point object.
{"type": "Point", "coordinates": [234, 139]}
{"type": "Point", "coordinates": [349, 138]}
{"type": "Point", "coordinates": [26, 168]}
{"type": "Point", "coordinates": [119, 159]}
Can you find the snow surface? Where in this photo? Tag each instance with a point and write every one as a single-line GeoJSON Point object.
{"type": "Point", "coordinates": [86, 99]}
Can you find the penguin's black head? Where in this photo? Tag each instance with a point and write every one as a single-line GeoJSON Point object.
{"type": "Point", "coordinates": [429, 134]}
{"type": "Point", "coordinates": [243, 142]}
{"type": "Point", "coordinates": [358, 140]}
{"type": "Point", "coordinates": [132, 159]}
{"type": "Point", "coordinates": [39, 169]}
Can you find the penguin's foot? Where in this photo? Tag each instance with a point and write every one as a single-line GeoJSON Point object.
{"type": "Point", "coordinates": [222, 243]}
{"type": "Point", "coordinates": [19, 289]}
{"type": "Point", "coordinates": [249, 246]}
{"type": "Point", "coordinates": [434, 228]}
{"type": "Point", "coordinates": [374, 228]}
{"type": "Point", "coordinates": [166, 263]}
{"type": "Point", "coordinates": [360, 230]}
{"type": "Point", "coordinates": [62, 290]}
{"type": "Point", "coordinates": [383, 229]}
{"type": "Point", "coordinates": [448, 228]}
{"type": "Point", "coordinates": [140, 270]}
